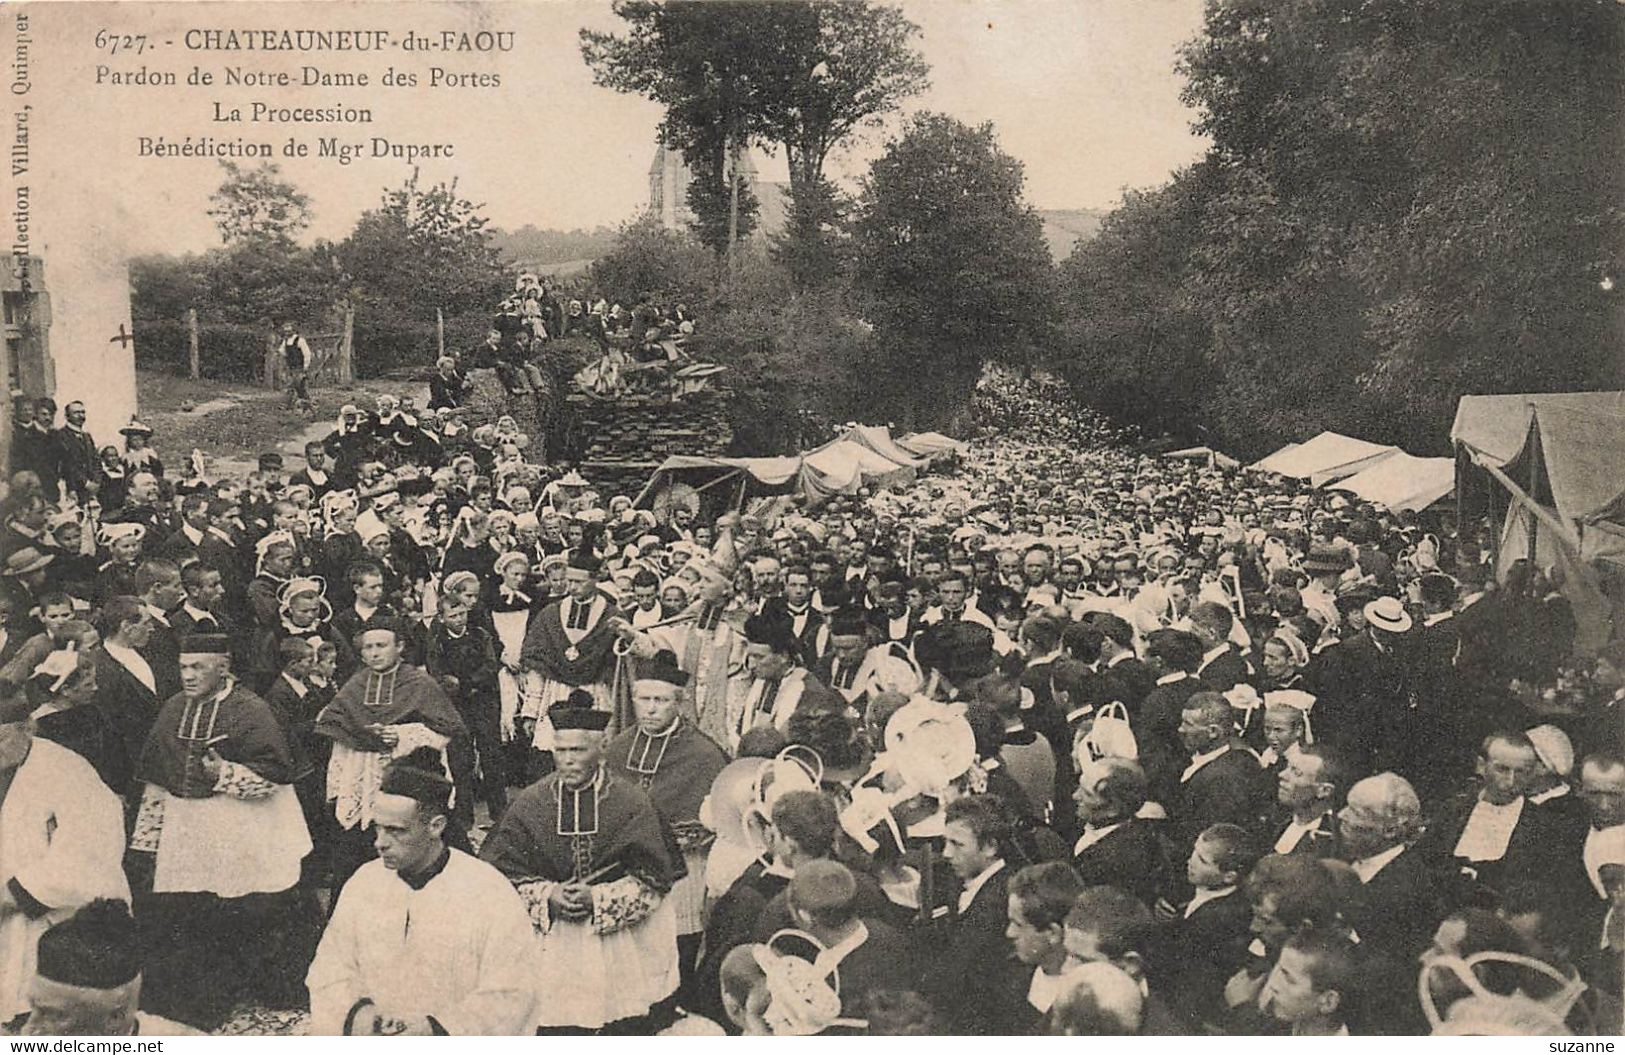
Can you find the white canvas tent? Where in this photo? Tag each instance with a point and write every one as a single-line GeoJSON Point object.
{"type": "Point", "coordinates": [1403, 481]}
{"type": "Point", "coordinates": [1565, 485]}
{"type": "Point", "coordinates": [878, 438]}
{"type": "Point", "coordinates": [863, 456]}
{"type": "Point", "coordinates": [931, 444]}
{"type": "Point", "coordinates": [1329, 456]}
{"type": "Point", "coordinates": [1497, 426]}
{"type": "Point", "coordinates": [1204, 454]}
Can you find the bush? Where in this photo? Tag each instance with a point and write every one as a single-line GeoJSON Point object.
{"type": "Point", "coordinates": [388, 341]}
{"type": "Point", "coordinates": [226, 351]}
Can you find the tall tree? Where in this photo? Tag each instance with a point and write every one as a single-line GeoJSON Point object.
{"type": "Point", "coordinates": [1130, 340]}
{"type": "Point", "coordinates": [840, 67]}
{"type": "Point", "coordinates": [800, 74]}
{"type": "Point", "coordinates": [702, 62]}
{"type": "Point", "coordinates": [422, 248]}
{"type": "Point", "coordinates": [258, 205]}
{"type": "Point", "coordinates": [951, 261]}
{"type": "Point", "coordinates": [1412, 199]}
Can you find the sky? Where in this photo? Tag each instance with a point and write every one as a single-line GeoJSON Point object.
{"type": "Point", "coordinates": [1083, 92]}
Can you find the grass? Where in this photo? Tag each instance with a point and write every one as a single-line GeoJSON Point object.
{"type": "Point", "coordinates": [238, 420]}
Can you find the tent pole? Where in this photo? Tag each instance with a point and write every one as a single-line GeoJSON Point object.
{"type": "Point", "coordinates": [1518, 493]}
{"type": "Point", "coordinates": [1534, 478]}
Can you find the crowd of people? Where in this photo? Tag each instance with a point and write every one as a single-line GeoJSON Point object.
{"type": "Point", "coordinates": [535, 314]}
{"type": "Point", "coordinates": [1057, 738]}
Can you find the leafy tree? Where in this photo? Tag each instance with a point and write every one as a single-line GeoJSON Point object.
{"type": "Point", "coordinates": [1130, 340]}
{"type": "Point", "coordinates": [801, 74]}
{"type": "Point", "coordinates": [424, 247]}
{"type": "Point", "coordinates": [951, 263]}
{"type": "Point", "coordinates": [814, 244]}
{"type": "Point", "coordinates": [649, 260]}
{"type": "Point", "coordinates": [257, 205]}
{"type": "Point", "coordinates": [1412, 199]}
{"type": "Point", "coordinates": [841, 66]}
{"type": "Point", "coordinates": [724, 211]}
{"type": "Point", "coordinates": [702, 62]}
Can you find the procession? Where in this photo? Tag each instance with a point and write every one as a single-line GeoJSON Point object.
{"type": "Point", "coordinates": [1098, 521]}
{"type": "Point", "coordinates": [1059, 737]}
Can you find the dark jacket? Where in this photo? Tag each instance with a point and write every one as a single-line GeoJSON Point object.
{"type": "Point", "coordinates": [1130, 858]}
{"type": "Point", "coordinates": [974, 980]}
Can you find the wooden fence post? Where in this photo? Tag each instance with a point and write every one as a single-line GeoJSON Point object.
{"type": "Point", "coordinates": [346, 365]}
{"type": "Point", "coordinates": [192, 342]}
{"type": "Point", "coordinates": [439, 333]}
{"type": "Point", "coordinates": [271, 345]}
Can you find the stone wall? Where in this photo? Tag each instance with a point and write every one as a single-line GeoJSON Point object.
{"type": "Point", "coordinates": [536, 414]}
{"type": "Point", "coordinates": [618, 443]}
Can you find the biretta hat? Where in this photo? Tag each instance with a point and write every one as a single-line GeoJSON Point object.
{"type": "Point", "coordinates": [577, 712]}
{"type": "Point", "coordinates": [663, 667]}
{"type": "Point", "coordinates": [205, 645]}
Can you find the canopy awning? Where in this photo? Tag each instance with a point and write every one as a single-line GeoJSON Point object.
{"type": "Point", "coordinates": [843, 466]}
{"type": "Point", "coordinates": [1268, 463]}
{"type": "Point", "coordinates": [1576, 460]}
{"type": "Point", "coordinates": [1498, 425]}
{"type": "Point", "coordinates": [1329, 456]}
{"type": "Point", "coordinates": [930, 444]}
{"type": "Point", "coordinates": [878, 438]}
{"type": "Point", "coordinates": [1403, 481]}
{"type": "Point", "coordinates": [1205, 454]}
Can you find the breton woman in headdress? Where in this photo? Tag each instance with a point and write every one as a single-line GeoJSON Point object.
{"type": "Point", "coordinates": [586, 850]}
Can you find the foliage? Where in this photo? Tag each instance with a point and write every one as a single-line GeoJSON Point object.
{"type": "Point", "coordinates": [721, 210]}
{"type": "Point", "coordinates": [1404, 201]}
{"type": "Point", "coordinates": [795, 365]}
{"type": "Point", "coordinates": [842, 67]}
{"type": "Point", "coordinates": [257, 205]}
{"type": "Point", "coordinates": [951, 263]}
{"type": "Point", "coordinates": [227, 351]}
{"type": "Point", "coordinates": [536, 247]}
{"type": "Point", "coordinates": [1129, 339]}
{"type": "Point", "coordinates": [792, 73]}
{"type": "Point", "coordinates": [423, 248]}
{"type": "Point", "coordinates": [648, 260]}
{"type": "Point", "coordinates": [702, 63]}
{"type": "Point", "coordinates": [814, 246]}
{"type": "Point", "coordinates": [244, 291]}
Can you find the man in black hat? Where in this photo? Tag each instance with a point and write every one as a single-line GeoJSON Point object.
{"type": "Point", "coordinates": [589, 856]}
{"type": "Point", "coordinates": [425, 940]}
{"type": "Point", "coordinates": [569, 645]}
{"type": "Point", "coordinates": [773, 657]}
{"type": "Point", "coordinates": [666, 755]}
{"type": "Point", "coordinates": [88, 980]}
{"type": "Point", "coordinates": [219, 838]}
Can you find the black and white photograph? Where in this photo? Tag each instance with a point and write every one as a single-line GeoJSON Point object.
{"type": "Point", "coordinates": [910, 518]}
